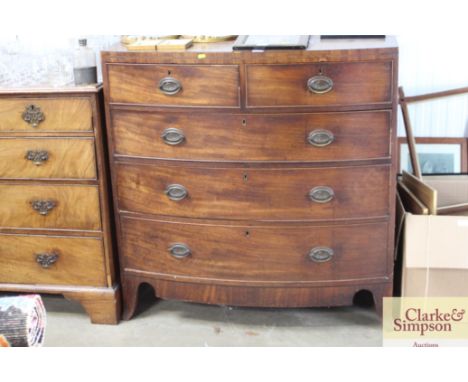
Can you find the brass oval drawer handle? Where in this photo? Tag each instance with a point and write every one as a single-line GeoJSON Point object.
{"type": "Point", "coordinates": [33, 115]}
{"type": "Point", "coordinates": [176, 192]}
{"type": "Point", "coordinates": [320, 138]}
{"type": "Point", "coordinates": [321, 194]}
{"type": "Point", "coordinates": [170, 86]}
{"type": "Point", "coordinates": [46, 260]}
{"type": "Point", "coordinates": [37, 157]}
{"type": "Point", "coordinates": [321, 254]}
{"type": "Point", "coordinates": [43, 207]}
{"type": "Point", "coordinates": [179, 251]}
{"type": "Point", "coordinates": [320, 84]}
{"type": "Point", "coordinates": [172, 136]}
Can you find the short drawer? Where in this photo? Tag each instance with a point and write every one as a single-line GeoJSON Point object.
{"type": "Point", "coordinates": [47, 158]}
{"type": "Point", "coordinates": [263, 194]}
{"type": "Point", "coordinates": [45, 114]}
{"type": "Point", "coordinates": [51, 260]}
{"type": "Point", "coordinates": [255, 254]}
{"type": "Point", "coordinates": [49, 207]}
{"type": "Point", "coordinates": [174, 85]}
{"type": "Point", "coordinates": [323, 84]}
{"type": "Point", "coordinates": [271, 137]}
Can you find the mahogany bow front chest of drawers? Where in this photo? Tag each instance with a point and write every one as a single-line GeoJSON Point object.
{"type": "Point", "coordinates": [55, 231]}
{"type": "Point", "coordinates": [254, 178]}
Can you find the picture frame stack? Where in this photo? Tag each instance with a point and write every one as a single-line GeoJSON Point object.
{"type": "Point", "coordinates": [436, 155]}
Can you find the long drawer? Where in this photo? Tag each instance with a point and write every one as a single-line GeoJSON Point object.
{"type": "Point", "coordinates": [254, 254]}
{"type": "Point", "coordinates": [175, 85]}
{"type": "Point", "coordinates": [48, 158]}
{"type": "Point", "coordinates": [259, 194]}
{"type": "Point", "coordinates": [51, 260]}
{"type": "Point", "coordinates": [234, 137]}
{"type": "Point", "coordinates": [40, 115]}
{"type": "Point", "coordinates": [321, 84]}
{"type": "Point", "coordinates": [49, 207]}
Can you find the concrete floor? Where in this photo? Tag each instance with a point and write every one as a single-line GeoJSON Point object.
{"type": "Point", "coordinates": [172, 323]}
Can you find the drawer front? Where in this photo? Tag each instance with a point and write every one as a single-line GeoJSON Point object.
{"type": "Point", "coordinates": [51, 260]}
{"type": "Point", "coordinates": [229, 137]}
{"type": "Point", "coordinates": [48, 158]}
{"type": "Point", "coordinates": [45, 114]}
{"type": "Point", "coordinates": [255, 253]}
{"type": "Point", "coordinates": [49, 207]}
{"type": "Point", "coordinates": [333, 84]}
{"type": "Point", "coordinates": [263, 194]}
{"type": "Point", "coordinates": [175, 85]}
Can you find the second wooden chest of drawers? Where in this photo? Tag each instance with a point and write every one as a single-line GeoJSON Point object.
{"type": "Point", "coordinates": [254, 179]}
{"type": "Point", "coordinates": [55, 231]}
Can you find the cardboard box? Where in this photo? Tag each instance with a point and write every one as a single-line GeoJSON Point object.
{"type": "Point", "coordinates": [434, 248]}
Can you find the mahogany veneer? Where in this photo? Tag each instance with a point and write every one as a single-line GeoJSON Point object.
{"type": "Point", "coordinates": [258, 137]}
{"type": "Point", "coordinates": [254, 179]}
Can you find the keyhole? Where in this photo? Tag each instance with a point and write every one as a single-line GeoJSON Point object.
{"type": "Point", "coordinates": [244, 122]}
{"type": "Point", "coordinates": [246, 177]}
{"type": "Point", "coordinates": [247, 233]}
{"type": "Point", "coordinates": [169, 72]}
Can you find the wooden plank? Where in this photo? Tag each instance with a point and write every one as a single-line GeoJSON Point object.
{"type": "Point", "coordinates": [409, 134]}
{"type": "Point", "coordinates": [428, 96]}
{"type": "Point", "coordinates": [400, 221]}
{"type": "Point", "coordinates": [222, 137]}
{"type": "Point", "coordinates": [410, 201]}
{"type": "Point", "coordinates": [455, 209]}
{"type": "Point", "coordinates": [425, 193]}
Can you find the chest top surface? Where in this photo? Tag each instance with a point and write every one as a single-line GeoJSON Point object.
{"type": "Point", "coordinates": [318, 50]}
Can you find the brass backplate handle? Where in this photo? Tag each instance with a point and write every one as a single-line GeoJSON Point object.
{"type": "Point", "coordinates": [321, 254]}
{"type": "Point", "coordinates": [179, 250]}
{"type": "Point", "coordinates": [43, 207]}
{"type": "Point", "coordinates": [172, 136]}
{"type": "Point", "coordinates": [320, 138]}
{"type": "Point", "coordinates": [37, 157]}
{"type": "Point", "coordinates": [321, 194]}
{"type": "Point", "coordinates": [46, 260]}
{"type": "Point", "coordinates": [320, 84]}
{"type": "Point", "coordinates": [33, 115]}
{"type": "Point", "coordinates": [176, 192]}
{"type": "Point", "coordinates": [170, 86]}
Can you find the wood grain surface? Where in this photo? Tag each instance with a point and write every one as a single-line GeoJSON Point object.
{"type": "Point", "coordinates": [252, 296]}
{"type": "Point", "coordinates": [60, 114]}
{"type": "Point", "coordinates": [245, 137]}
{"type": "Point", "coordinates": [421, 190]}
{"type": "Point", "coordinates": [68, 158]}
{"type": "Point", "coordinates": [74, 177]}
{"type": "Point", "coordinates": [259, 194]}
{"type": "Point", "coordinates": [286, 85]}
{"type": "Point", "coordinates": [80, 261]}
{"type": "Point", "coordinates": [248, 169]}
{"type": "Point", "coordinates": [243, 254]}
{"type": "Point", "coordinates": [77, 207]}
{"type": "Point", "coordinates": [201, 85]}
{"type": "Point", "coordinates": [319, 50]}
